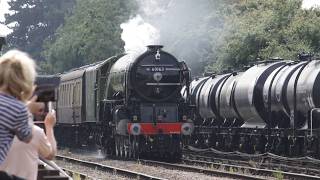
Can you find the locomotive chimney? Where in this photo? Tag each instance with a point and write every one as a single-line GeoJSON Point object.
{"type": "Point", "coordinates": [305, 56]}
{"type": "Point", "coordinates": [154, 48]}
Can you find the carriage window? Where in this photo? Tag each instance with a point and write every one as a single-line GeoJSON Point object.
{"type": "Point", "coordinates": [77, 94]}
{"type": "Point", "coordinates": [62, 95]}
{"type": "Point", "coordinates": [65, 94]}
{"type": "Point", "coordinates": [80, 93]}
{"type": "Point", "coordinates": [70, 95]}
{"type": "Point", "coordinates": [75, 91]}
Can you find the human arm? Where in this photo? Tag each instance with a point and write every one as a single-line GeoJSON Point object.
{"type": "Point", "coordinates": [49, 123]}
{"type": "Point", "coordinates": [22, 129]}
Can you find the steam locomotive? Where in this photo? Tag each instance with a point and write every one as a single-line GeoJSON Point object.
{"type": "Point", "coordinates": [271, 107]}
{"type": "Point", "coordinates": [128, 104]}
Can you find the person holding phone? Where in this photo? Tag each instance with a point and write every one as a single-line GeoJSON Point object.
{"type": "Point", "coordinates": [21, 142]}
{"type": "Point", "coordinates": [22, 159]}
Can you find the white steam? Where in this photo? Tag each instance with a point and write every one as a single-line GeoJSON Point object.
{"type": "Point", "coordinates": [137, 34]}
{"type": "Point", "coordinates": [186, 29]}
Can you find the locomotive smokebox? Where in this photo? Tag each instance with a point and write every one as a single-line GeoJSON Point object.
{"type": "Point", "coordinates": [154, 48]}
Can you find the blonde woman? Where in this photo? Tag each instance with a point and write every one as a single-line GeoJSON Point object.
{"type": "Point", "coordinates": [17, 76]}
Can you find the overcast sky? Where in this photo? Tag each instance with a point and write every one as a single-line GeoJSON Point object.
{"type": "Point", "coordinates": [310, 3]}
{"type": "Point", "coordinates": [4, 9]}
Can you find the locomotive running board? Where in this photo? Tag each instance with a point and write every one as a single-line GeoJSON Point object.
{"type": "Point", "coordinates": [253, 125]}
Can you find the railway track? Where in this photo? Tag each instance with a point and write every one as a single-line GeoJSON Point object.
{"type": "Point", "coordinates": [216, 167]}
{"type": "Point", "coordinates": [110, 169]}
{"type": "Point", "coordinates": [211, 172]}
{"type": "Point", "coordinates": [172, 166]}
{"type": "Point", "coordinates": [291, 168]}
{"type": "Point", "coordinates": [77, 175]}
{"type": "Point", "coordinates": [251, 170]}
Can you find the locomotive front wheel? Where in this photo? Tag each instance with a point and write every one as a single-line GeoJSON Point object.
{"type": "Point", "coordinates": [117, 148]}
{"type": "Point", "coordinates": [121, 148]}
{"type": "Point", "coordinates": [125, 148]}
{"type": "Point", "coordinates": [135, 149]}
{"type": "Point", "coordinates": [129, 149]}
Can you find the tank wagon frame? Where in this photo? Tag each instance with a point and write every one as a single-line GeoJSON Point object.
{"type": "Point", "coordinates": [271, 107]}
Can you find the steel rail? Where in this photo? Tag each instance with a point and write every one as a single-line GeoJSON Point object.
{"type": "Point", "coordinates": [78, 175]}
{"type": "Point", "coordinates": [251, 170]}
{"type": "Point", "coordinates": [263, 160]}
{"type": "Point", "coordinates": [254, 164]}
{"type": "Point", "coordinates": [111, 169]}
{"type": "Point", "coordinates": [199, 170]}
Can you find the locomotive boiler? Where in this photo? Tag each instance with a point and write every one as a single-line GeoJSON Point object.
{"type": "Point", "coordinates": [270, 107]}
{"type": "Point", "coordinates": [129, 104]}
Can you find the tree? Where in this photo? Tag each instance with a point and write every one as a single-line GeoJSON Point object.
{"type": "Point", "coordinates": [33, 21]}
{"type": "Point", "coordinates": [261, 29]}
{"type": "Point", "coordinates": [91, 34]}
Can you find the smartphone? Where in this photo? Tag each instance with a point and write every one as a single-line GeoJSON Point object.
{"type": "Point", "coordinates": [50, 107]}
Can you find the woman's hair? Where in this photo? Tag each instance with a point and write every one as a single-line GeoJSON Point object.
{"type": "Point", "coordinates": [17, 74]}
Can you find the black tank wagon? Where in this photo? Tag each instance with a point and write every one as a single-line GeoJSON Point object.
{"type": "Point", "coordinates": [271, 107]}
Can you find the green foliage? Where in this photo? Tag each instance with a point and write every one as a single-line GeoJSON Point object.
{"type": "Point", "coordinates": [91, 34]}
{"type": "Point", "coordinates": [33, 22]}
{"type": "Point", "coordinates": [210, 35]}
{"type": "Point", "coordinates": [261, 29]}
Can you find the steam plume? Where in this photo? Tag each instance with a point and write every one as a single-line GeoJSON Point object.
{"type": "Point", "coordinates": [137, 34]}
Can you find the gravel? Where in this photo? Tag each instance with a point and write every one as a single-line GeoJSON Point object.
{"type": "Point", "coordinates": [95, 174]}
{"type": "Point", "coordinates": [135, 166]}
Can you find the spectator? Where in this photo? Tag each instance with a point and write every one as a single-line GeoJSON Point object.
{"type": "Point", "coordinates": [22, 159]}
{"type": "Point", "coordinates": [40, 114]}
{"type": "Point", "coordinates": [17, 76]}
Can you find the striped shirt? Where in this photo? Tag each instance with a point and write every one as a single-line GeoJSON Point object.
{"type": "Point", "coordinates": [13, 121]}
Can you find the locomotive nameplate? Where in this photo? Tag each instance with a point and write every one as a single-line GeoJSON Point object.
{"type": "Point", "coordinates": [156, 69]}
